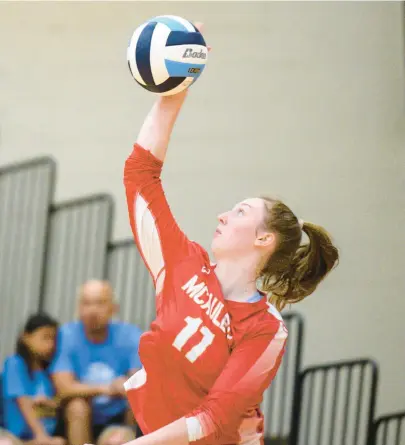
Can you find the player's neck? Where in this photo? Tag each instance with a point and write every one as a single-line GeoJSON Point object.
{"type": "Point", "coordinates": [237, 277]}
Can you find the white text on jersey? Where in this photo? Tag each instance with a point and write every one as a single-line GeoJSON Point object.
{"type": "Point", "coordinates": [214, 308]}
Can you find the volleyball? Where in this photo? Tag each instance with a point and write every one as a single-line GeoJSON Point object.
{"type": "Point", "coordinates": [166, 55]}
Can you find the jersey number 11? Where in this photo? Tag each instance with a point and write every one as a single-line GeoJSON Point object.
{"type": "Point", "coordinates": [191, 328]}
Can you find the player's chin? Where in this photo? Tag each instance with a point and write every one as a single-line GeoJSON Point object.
{"type": "Point", "coordinates": [216, 246]}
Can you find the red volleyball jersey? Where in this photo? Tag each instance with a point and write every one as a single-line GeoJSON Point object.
{"type": "Point", "coordinates": [204, 358]}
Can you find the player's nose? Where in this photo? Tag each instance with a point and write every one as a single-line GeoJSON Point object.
{"type": "Point", "coordinates": [223, 218]}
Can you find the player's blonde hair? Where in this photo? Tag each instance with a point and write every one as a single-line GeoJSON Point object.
{"type": "Point", "coordinates": [294, 270]}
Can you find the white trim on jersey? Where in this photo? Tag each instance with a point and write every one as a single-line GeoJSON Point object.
{"type": "Point", "coordinates": [273, 311]}
{"type": "Point", "coordinates": [267, 361]}
{"type": "Point", "coordinates": [136, 380]}
{"type": "Point", "coordinates": [194, 429]}
{"type": "Point", "coordinates": [148, 237]}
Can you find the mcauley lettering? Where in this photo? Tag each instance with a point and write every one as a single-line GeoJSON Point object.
{"type": "Point", "coordinates": [212, 306]}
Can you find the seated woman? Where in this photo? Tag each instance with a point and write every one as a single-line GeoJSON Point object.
{"type": "Point", "coordinates": [30, 407]}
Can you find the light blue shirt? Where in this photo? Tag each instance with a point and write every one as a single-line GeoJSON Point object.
{"type": "Point", "coordinates": [17, 382]}
{"type": "Point", "coordinates": [99, 363]}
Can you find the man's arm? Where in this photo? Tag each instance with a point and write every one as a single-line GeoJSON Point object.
{"type": "Point", "coordinates": [68, 386]}
{"type": "Point", "coordinates": [131, 335]}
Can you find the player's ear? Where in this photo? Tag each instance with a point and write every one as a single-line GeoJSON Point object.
{"type": "Point", "coordinates": [265, 239]}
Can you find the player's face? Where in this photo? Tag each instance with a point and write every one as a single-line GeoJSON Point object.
{"type": "Point", "coordinates": [96, 308]}
{"type": "Point", "coordinates": [238, 228]}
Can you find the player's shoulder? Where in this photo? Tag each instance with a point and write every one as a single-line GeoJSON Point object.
{"type": "Point", "coordinates": [194, 260]}
{"type": "Point", "coordinates": [271, 320]}
{"type": "Point", "coordinates": [273, 314]}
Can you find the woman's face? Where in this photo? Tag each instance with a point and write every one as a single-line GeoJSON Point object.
{"type": "Point", "coordinates": [239, 229]}
{"type": "Point", "coordinates": [41, 341]}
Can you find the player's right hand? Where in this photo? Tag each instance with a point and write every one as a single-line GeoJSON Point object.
{"type": "Point", "coordinates": [200, 27]}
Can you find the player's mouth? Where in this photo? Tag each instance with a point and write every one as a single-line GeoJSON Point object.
{"type": "Point", "coordinates": [217, 232]}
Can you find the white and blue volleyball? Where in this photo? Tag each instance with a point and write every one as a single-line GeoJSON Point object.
{"type": "Point", "coordinates": [166, 55]}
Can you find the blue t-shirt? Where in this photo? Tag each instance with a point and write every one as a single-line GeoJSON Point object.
{"type": "Point", "coordinates": [98, 363]}
{"type": "Point", "coordinates": [17, 382]}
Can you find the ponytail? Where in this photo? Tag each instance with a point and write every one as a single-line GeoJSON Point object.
{"type": "Point", "coordinates": [295, 270]}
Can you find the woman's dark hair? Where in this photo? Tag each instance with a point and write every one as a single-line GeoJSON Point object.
{"type": "Point", "coordinates": [33, 323]}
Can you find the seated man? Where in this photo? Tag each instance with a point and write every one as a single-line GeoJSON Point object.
{"type": "Point", "coordinates": [94, 358]}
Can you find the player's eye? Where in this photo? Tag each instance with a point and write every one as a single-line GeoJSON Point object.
{"type": "Point", "coordinates": [240, 212]}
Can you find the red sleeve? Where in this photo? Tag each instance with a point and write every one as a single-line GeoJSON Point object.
{"type": "Point", "coordinates": [250, 369]}
{"type": "Point", "coordinates": [158, 237]}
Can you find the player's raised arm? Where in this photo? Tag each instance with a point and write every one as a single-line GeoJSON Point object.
{"type": "Point", "coordinates": [158, 237]}
{"type": "Point", "coordinates": [158, 125]}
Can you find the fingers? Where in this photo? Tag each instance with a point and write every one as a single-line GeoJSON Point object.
{"type": "Point", "coordinates": [200, 27]}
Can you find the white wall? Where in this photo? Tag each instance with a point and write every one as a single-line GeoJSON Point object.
{"type": "Point", "coordinates": [302, 100]}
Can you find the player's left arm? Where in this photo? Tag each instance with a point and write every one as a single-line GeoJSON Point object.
{"type": "Point", "coordinates": [249, 371]}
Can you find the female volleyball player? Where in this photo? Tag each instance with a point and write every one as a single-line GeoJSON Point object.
{"type": "Point", "coordinates": [216, 343]}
